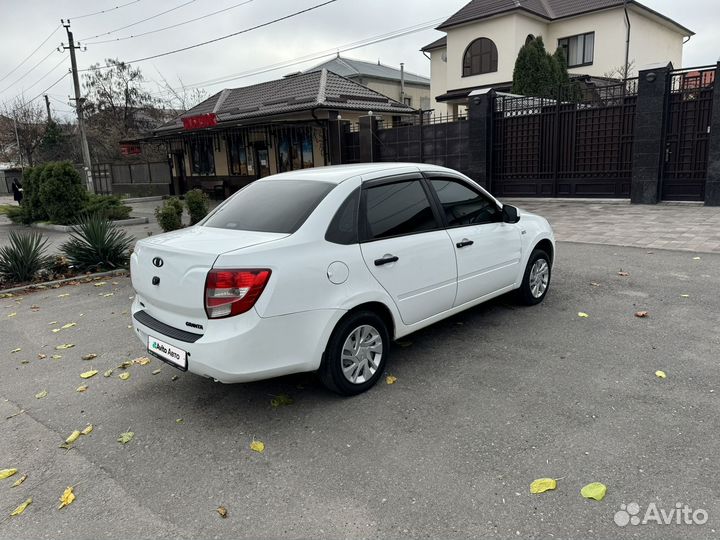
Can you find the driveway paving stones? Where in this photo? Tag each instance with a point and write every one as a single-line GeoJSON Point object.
{"type": "Point", "coordinates": [484, 403]}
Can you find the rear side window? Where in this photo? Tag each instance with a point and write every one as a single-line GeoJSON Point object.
{"type": "Point", "coordinates": [277, 206]}
{"type": "Point", "coordinates": [343, 228]}
{"type": "Point", "coordinates": [398, 209]}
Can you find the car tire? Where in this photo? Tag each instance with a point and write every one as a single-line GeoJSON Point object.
{"type": "Point", "coordinates": [536, 280]}
{"type": "Point", "coordinates": [358, 349]}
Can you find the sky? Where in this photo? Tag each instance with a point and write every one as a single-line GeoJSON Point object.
{"type": "Point", "coordinates": [27, 23]}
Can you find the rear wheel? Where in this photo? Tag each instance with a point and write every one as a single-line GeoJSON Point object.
{"type": "Point", "coordinates": [356, 354]}
{"type": "Point", "coordinates": [536, 280]}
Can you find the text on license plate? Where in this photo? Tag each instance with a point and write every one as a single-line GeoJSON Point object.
{"type": "Point", "coordinates": [167, 352]}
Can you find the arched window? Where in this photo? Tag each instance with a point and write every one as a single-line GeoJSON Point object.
{"type": "Point", "coordinates": [481, 56]}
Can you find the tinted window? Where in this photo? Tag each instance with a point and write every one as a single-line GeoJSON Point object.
{"type": "Point", "coordinates": [397, 209]}
{"type": "Point", "coordinates": [343, 228]}
{"type": "Point", "coordinates": [279, 206]}
{"type": "Point", "coordinates": [464, 206]}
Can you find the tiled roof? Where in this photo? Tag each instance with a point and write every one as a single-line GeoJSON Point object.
{"type": "Point", "coordinates": [547, 9]}
{"type": "Point", "coordinates": [438, 43]}
{"type": "Point", "coordinates": [320, 89]}
{"type": "Point", "coordinates": [348, 67]}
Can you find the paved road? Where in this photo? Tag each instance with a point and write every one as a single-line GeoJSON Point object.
{"type": "Point", "coordinates": [484, 404]}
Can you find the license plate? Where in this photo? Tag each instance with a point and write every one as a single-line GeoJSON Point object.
{"type": "Point", "coordinates": [168, 353]}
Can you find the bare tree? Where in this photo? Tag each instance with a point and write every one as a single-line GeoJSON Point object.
{"type": "Point", "coordinates": [180, 98]}
{"type": "Point", "coordinates": [618, 72]}
{"type": "Point", "coordinates": [30, 119]}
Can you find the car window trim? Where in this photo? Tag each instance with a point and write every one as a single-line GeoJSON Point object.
{"type": "Point", "coordinates": [432, 175]}
{"type": "Point", "coordinates": [363, 232]}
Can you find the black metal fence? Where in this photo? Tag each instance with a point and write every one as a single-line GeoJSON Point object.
{"type": "Point", "coordinates": [687, 133]}
{"type": "Point", "coordinates": [560, 147]}
{"type": "Point", "coordinates": [106, 175]}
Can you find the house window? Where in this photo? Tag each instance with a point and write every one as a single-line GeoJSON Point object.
{"type": "Point", "coordinates": [241, 162]}
{"type": "Point", "coordinates": [295, 151]}
{"type": "Point", "coordinates": [481, 56]}
{"type": "Point", "coordinates": [202, 156]}
{"type": "Point", "coordinates": [407, 101]}
{"type": "Point", "coordinates": [579, 50]}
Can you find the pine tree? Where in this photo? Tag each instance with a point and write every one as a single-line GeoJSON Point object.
{"type": "Point", "coordinates": [538, 73]}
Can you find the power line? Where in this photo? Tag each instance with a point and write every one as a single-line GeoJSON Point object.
{"type": "Point", "coordinates": [171, 26]}
{"type": "Point", "coordinates": [48, 73]}
{"type": "Point", "coordinates": [28, 72]}
{"type": "Point", "coordinates": [31, 54]}
{"type": "Point", "coordinates": [105, 10]}
{"type": "Point", "coordinates": [316, 56]}
{"type": "Point", "coordinates": [138, 22]}
{"type": "Point", "coordinates": [41, 94]}
{"type": "Point", "coordinates": [217, 39]}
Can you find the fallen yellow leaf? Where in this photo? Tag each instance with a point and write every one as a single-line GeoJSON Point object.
{"type": "Point", "coordinates": [55, 330]}
{"type": "Point", "coordinates": [100, 283]}
{"type": "Point", "coordinates": [126, 437]}
{"type": "Point", "coordinates": [90, 356]}
{"type": "Point", "coordinates": [281, 400]}
{"type": "Point", "coordinates": [82, 388]}
{"type": "Point", "coordinates": [6, 473]}
{"type": "Point", "coordinates": [64, 346]}
{"type": "Point", "coordinates": [108, 373]}
{"type": "Point", "coordinates": [126, 364]}
{"type": "Point", "coordinates": [595, 491]}
{"type": "Point", "coordinates": [20, 509]}
{"type": "Point", "coordinates": [12, 315]}
{"type": "Point", "coordinates": [124, 376]}
{"type": "Point", "coordinates": [696, 258]}
{"type": "Point", "coordinates": [52, 323]}
{"type": "Point", "coordinates": [68, 325]}
{"type": "Point", "coordinates": [73, 437]}
{"type": "Point", "coordinates": [390, 379]}
{"type": "Point", "coordinates": [41, 394]}
{"type": "Point", "coordinates": [222, 511]}
{"type": "Point", "coordinates": [156, 371]}
{"type": "Point", "coordinates": [257, 446]}
{"type": "Point", "coordinates": [623, 274]}
{"type": "Point", "coordinates": [142, 361]}
{"type": "Point", "coordinates": [684, 296]}
{"type": "Point", "coordinates": [66, 498]}
{"type": "Point", "coordinates": [542, 485]}
{"type": "Point", "coordinates": [63, 295]}
{"type": "Point", "coordinates": [56, 357]}
{"type": "Point", "coordinates": [661, 374]}
{"type": "Point", "coordinates": [583, 315]}
{"type": "Point", "coordinates": [16, 350]}
{"type": "Point", "coordinates": [641, 314]}
{"type": "Point", "coordinates": [89, 374]}
{"type": "Point", "coordinates": [87, 430]}
{"type": "Point", "coordinates": [20, 480]}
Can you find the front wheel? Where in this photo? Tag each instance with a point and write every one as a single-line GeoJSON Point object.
{"type": "Point", "coordinates": [356, 354]}
{"type": "Point", "coordinates": [536, 280]}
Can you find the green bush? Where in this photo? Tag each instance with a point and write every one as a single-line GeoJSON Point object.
{"type": "Point", "coordinates": [169, 215]}
{"type": "Point", "coordinates": [19, 214]}
{"type": "Point", "coordinates": [96, 243]}
{"type": "Point", "coordinates": [24, 257]}
{"type": "Point", "coordinates": [198, 205]}
{"type": "Point", "coordinates": [108, 206]}
{"type": "Point", "coordinates": [62, 192]}
{"type": "Point", "coordinates": [34, 210]}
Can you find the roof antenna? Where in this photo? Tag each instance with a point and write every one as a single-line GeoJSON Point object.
{"type": "Point", "coordinates": [338, 54]}
{"type": "Point", "coordinates": [378, 61]}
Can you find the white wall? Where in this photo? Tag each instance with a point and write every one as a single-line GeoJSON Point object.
{"type": "Point", "coordinates": [438, 80]}
{"type": "Point", "coordinates": [391, 89]}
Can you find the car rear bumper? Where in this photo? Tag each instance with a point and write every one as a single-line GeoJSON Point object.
{"type": "Point", "coordinates": [248, 347]}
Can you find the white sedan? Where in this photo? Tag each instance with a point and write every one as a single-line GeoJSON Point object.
{"type": "Point", "coordinates": [320, 269]}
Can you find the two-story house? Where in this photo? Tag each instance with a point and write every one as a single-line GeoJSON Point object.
{"type": "Point", "coordinates": [483, 40]}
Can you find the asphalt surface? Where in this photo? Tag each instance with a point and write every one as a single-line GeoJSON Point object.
{"type": "Point", "coordinates": [484, 403]}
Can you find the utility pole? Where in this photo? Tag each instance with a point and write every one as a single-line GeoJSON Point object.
{"type": "Point", "coordinates": [79, 106]}
{"type": "Point", "coordinates": [47, 105]}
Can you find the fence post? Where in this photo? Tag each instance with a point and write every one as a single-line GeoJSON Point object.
{"type": "Point", "coordinates": [480, 130]}
{"type": "Point", "coordinates": [648, 152]}
{"type": "Point", "coordinates": [335, 135]}
{"type": "Point", "coordinates": [712, 186]}
{"type": "Point", "coordinates": [368, 139]}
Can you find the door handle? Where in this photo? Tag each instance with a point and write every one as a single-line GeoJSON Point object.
{"type": "Point", "coordinates": [386, 260]}
{"type": "Point", "coordinates": [464, 243]}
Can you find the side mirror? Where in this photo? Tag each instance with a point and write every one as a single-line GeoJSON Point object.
{"type": "Point", "coordinates": [510, 214]}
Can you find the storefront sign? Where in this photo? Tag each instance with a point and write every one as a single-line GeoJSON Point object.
{"type": "Point", "coordinates": [200, 121]}
{"type": "Point", "coordinates": [130, 149]}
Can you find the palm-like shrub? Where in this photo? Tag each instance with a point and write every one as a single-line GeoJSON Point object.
{"type": "Point", "coordinates": [24, 257]}
{"type": "Point", "coordinates": [96, 243]}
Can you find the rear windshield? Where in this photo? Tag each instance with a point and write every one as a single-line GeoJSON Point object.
{"type": "Point", "coordinates": [277, 206]}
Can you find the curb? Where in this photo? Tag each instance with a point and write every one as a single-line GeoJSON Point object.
{"type": "Point", "coordinates": [68, 228]}
{"type": "Point", "coordinates": [46, 284]}
{"type": "Point", "coordinates": [131, 200]}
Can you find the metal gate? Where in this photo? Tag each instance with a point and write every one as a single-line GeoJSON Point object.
{"type": "Point", "coordinates": [687, 134]}
{"type": "Point", "coordinates": [576, 145]}
{"type": "Point", "coordinates": [102, 179]}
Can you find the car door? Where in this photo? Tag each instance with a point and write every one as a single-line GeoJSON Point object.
{"type": "Point", "coordinates": [406, 248]}
{"type": "Point", "coordinates": [488, 251]}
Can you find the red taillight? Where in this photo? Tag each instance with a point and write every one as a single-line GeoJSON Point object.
{"type": "Point", "coordinates": [232, 292]}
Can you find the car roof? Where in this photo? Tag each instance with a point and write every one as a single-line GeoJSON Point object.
{"type": "Point", "coordinates": [337, 174]}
